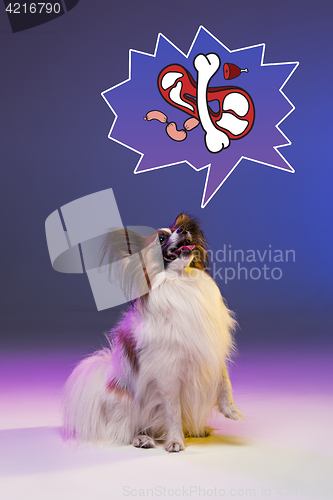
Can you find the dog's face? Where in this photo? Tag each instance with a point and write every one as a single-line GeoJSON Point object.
{"type": "Point", "coordinates": [183, 244]}
{"type": "Point", "coordinates": [173, 248]}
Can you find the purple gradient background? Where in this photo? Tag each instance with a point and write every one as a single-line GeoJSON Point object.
{"type": "Point", "coordinates": [54, 149]}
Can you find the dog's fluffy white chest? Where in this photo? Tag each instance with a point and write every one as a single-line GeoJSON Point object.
{"type": "Point", "coordinates": [186, 313]}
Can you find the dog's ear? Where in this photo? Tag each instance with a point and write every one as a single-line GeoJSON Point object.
{"type": "Point", "coordinates": [178, 221]}
{"type": "Point", "coordinates": [114, 247]}
{"type": "Point", "coordinates": [130, 261]}
{"type": "Point", "coordinates": [183, 219]}
{"type": "Point", "coordinates": [121, 243]}
{"type": "Point", "coordinates": [190, 222]}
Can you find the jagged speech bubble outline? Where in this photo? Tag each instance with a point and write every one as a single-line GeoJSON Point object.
{"type": "Point", "coordinates": [131, 99]}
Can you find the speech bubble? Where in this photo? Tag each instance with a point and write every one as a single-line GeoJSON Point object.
{"type": "Point", "coordinates": [177, 119]}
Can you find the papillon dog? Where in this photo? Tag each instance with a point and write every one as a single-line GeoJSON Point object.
{"type": "Point", "coordinates": [165, 368]}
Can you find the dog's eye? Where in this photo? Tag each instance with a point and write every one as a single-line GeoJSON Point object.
{"type": "Point", "coordinates": [161, 238]}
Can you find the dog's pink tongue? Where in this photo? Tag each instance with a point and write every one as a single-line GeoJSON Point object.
{"type": "Point", "coordinates": [187, 247]}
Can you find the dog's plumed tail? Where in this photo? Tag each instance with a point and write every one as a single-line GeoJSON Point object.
{"type": "Point", "coordinates": [88, 401]}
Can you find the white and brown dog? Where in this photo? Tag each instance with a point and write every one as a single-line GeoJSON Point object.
{"type": "Point", "coordinates": [166, 366]}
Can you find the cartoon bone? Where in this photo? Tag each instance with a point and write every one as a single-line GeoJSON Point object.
{"type": "Point", "coordinates": [206, 67]}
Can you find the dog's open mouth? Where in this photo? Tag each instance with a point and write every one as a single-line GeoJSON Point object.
{"type": "Point", "coordinates": [185, 249]}
{"type": "Point", "coordinates": [181, 250]}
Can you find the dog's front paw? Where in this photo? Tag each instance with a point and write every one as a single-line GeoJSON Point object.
{"type": "Point", "coordinates": [231, 411]}
{"type": "Point", "coordinates": [174, 446]}
{"type": "Point", "coordinates": [143, 441]}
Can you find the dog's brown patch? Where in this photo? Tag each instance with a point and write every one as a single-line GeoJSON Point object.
{"type": "Point", "coordinates": [119, 391]}
{"type": "Point", "coordinates": [129, 347]}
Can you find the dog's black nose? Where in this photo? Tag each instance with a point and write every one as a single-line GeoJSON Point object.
{"type": "Point", "coordinates": [182, 230]}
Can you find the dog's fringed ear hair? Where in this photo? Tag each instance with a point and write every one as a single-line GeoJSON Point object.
{"type": "Point", "coordinates": [118, 251]}
{"type": "Point", "coordinates": [114, 247]}
{"type": "Point", "coordinates": [130, 259]}
{"type": "Point", "coordinates": [121, 243]}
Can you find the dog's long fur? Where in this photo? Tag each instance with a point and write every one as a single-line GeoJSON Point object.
{"type": "Point", "coordinates": [166, 366]}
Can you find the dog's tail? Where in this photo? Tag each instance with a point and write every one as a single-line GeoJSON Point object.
{"type": "Point", "coordinates": [93, 412]}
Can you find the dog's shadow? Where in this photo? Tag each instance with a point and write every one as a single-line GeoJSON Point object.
{"type": "Point", "coordinates": [218, 440]}
{"type": "Point", "coordinates": [43, 449]}
{"type": "Point", "coordinates": [40, 450]}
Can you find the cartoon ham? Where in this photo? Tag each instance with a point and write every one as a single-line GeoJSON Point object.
{"type": "Point", "coordinates": [231, 71]}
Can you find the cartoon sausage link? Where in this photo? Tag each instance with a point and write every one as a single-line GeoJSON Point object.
{"type": "Point", "coordinates": [156, 115]}
{"type": "Point", "coordinates": [173, 133]}
{"type": "Point", "coordinates": [190, 124]}
{"type": "Point", "coordinates": [171, 128]}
